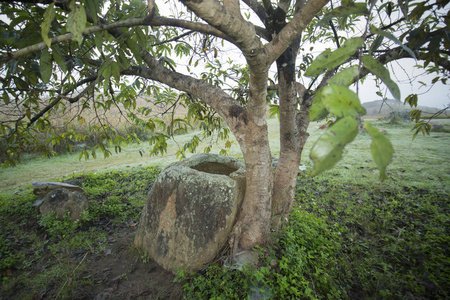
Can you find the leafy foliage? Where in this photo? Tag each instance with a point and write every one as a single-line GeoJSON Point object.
{"type": "Point", "coordinates": [378, 69]}
{"type": "Point", "coordinates": [98, 55]}
{"type": "Point", "coordinates": [329, 60]}
{"type": "Point", "coordinates": [327, 151]}
{"type": "Point", "coordinates": [88, 60]}
{"type": "Point", "coordinates": [29, 239]}
{"type": "Point", "coordinates": [305, 267]}
{"type": "Point", "coordinates": [392, 237]}
{"type": "Point", "coordinates": [346, 239]}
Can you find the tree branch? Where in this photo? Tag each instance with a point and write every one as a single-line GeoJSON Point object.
{"type": "Point", "coordinates": [57, 100]}
{"type": "Point", "coordinates": [209, 94]}
{"type": "Point", "coordinates": [68, 36]}
{"type": "Point", "coordinates": [240, 32]}
{"type": "Point", "coordinates": [147, 21]}
{"type": "Point", "coordinates": [336, 37]}
{"type": "Point", "coordinates": [258, 9]}
{"type": "Point", "coordinates": [195, 26]}
{"type": "Point", "coordinates": [293, 29]}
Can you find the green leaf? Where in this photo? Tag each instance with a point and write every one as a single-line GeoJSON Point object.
{"type": "Point", "coordinates": [59, 58]}
{"type": "Point", "coordinates": [328, 60]}
{"type": "Point", "coordinates": [411, 100]}
{"type": "Point", "coordinates": [98, 39]}
{"type": "Point", "coordinates": [327, 151]}
{"type": "Point", "coordinates": [418, 11]}
{"type": "Point", "coordinates": [379, 70]}
{"type": "Point", "coordinates": [317, 111]}
{"type": "Point", "coordinates": [390, 36]}
{"type": "Point", "coordinates": [6, 98]}
{"type": "Point", "coordinates": [49, 15]}
{"type": "Point", "coordinates": [346, 10]}
{"type": "Point", "coordinates": [93, 8]}
{"type": "Point", "coordinates": [345, 77]}
{"type": "Point", "coordinates": [376, 44]}
{"type": "Point", "coordinates": [340, 101]}
{"type": "Point", "coordinates": [106, 72]}
{"type": "Point", "coordinates": [381, 149]}
{"type": "Point", "coordinates": [404, 6]}
{"type": "Point", "coordinates": [115, 69]}
{"type": "Point", "coordinates": [134, 49]}
{"type": "Point", "coordinates": [415, 115]}
{"type": "Point", "coordinates": [274, 110]}
{"type": "Point", "coordinates": [123, 60]}
{"type": "Point", "coordinates": [45, 65]}
{"type": "Point", "coordinates": [76, 22]}
{"type": "Point", "coordinates": [421, 127]}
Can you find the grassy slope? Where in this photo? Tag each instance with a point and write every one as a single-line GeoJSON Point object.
{"type": "Point", "coordinates": [416, 161]}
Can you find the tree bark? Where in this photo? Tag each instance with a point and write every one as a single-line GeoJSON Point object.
{"type": "Point", "coordinates": [290, 146]}
{"type": "Point", "coordinates": [290, 135]}
{"type": "Point", "coordinates": [253, 225]}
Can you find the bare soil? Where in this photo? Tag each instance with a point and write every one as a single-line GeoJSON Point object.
{"type": "Point", "coordinates": [121, 274]}
{"type": "Point", "coordinates": [117, 273]}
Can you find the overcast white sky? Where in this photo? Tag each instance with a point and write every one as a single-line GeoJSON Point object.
{"type": "Point", "coordinates": [402, 72]}
{"type": "Point", "coordinates": [409, 79]}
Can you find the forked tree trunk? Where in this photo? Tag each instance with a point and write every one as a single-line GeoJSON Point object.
{"type": "Point", "coordinates": [269, 197]}
{"type": "Point", "coordinates": [292, 138]}
{"type": "Point", "coordinates": [253, 224]}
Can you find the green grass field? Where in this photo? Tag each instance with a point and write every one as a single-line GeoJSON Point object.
{"type": "Point", "coordinates": [350, 236]}
{"type": "Point", "coordinates": [422, 158]}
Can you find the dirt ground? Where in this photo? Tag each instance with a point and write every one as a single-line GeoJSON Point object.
{"type": "Point", "coordinates": [117, 273]}
{"type": "Point", "coordinates": [121, 274]}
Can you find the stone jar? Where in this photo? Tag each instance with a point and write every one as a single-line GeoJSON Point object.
{"type": "Point", "coordinates": [191, 210]}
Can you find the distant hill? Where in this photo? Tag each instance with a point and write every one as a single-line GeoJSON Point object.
{"type": "Point", "coordinates": [380, 107]}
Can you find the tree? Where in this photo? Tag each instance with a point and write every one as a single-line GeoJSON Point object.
{"type": "Point", "coordinates": [54, 53]}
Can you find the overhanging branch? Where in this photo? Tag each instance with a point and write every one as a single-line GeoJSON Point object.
{"type": "Point", "coordinates": [132, 22]}
{"type": "Point", "coordinates": [294, 28]}
{"type": "Point", "coordinates": [68, 36]}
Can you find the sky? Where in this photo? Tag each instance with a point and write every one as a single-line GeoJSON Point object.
{"type": "Point", "coordinates": [409, 78]}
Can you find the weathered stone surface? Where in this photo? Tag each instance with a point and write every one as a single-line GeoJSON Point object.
{"type": "Point", "coordinates": [61, 199]}
{"type": "Point", "coordinates": [190, 211]}
{"type": "Point", "coordinates": [436, 127]}
{"type": "Point", "coordinates": [41, 188]}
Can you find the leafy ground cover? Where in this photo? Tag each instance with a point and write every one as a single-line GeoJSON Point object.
{"type": "Point", "coordinates": [349, 236]}
{"type": "Point", "coordinates": [348, 241]}
{"type": "Point", "coordinates": [48, 258]}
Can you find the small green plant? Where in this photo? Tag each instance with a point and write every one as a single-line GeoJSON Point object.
{"type": "Point", "coordinates": [145, 258]}
{"type": "Point", "coordinates": [17, 204]}
{"type": "Point", "coordinates": [57, 226]}
{"type": "Point", "coordinates": [305, 268]}
{"type": "Point", "coordinates": [216, 283]}
{"type": "Point", "coordinates": [118, 195]}
{"type": "Point", "coordinates": [307, 263]}
{"type": "Point", "coordinates": [8, 255]}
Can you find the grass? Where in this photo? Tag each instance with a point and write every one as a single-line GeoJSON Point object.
{"type": "Point", "coordinates": [39, 253]}
{"type": "Point", "coordinates": [350, 236]}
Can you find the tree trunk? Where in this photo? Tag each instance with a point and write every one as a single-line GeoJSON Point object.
{"type": "Point", "coordinates": [290, 138]}
{"type": "Point", "coordinates": [253, 224]}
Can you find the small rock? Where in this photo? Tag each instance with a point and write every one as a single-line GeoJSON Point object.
{"type": "Point", "coordinates": [61, 200]}
{"type": "Point", "coordinates": [436, 127]}
{"type": "Point", "coordinates": [247, 258]}
{"type": "Point", "coordinates": [43, 188]}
